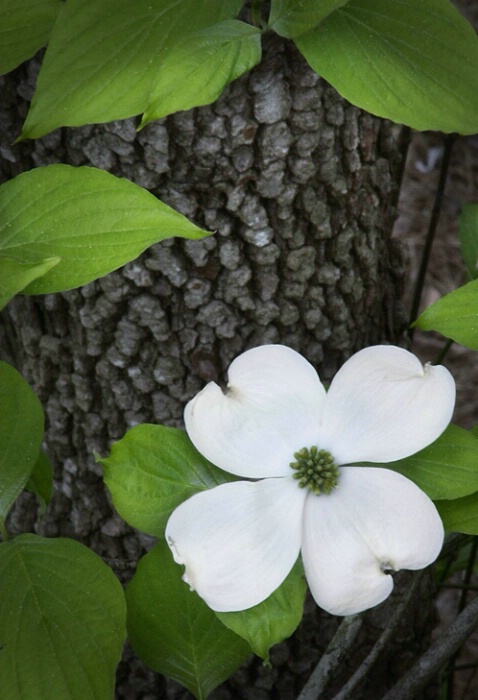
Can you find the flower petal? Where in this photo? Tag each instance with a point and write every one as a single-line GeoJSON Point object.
{"type": "Point", "coordinates": [376, 520]}
{"type": "Point", "coordinates": [238, 541]}
{"type": "Point", "coordinates": [271, 409]}
{"type": "Point", "coordinates": [384, 405]}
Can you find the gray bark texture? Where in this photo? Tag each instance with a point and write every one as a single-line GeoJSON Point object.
{"type": "Point", "coordinates": [300, 189]}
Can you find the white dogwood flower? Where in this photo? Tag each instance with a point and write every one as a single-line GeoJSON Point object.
{"type": "Point", "coordinates": [353, 525]}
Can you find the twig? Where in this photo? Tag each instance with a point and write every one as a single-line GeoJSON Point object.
{"type": "Point", "coordinates": [333, 655]}
{"type": "Point", "coordinates": [461, 605]}
{"type": "Point", "coordinates": [437, 655]}
{"type": "Point", "coordinates": [417, 295]}
{"type": "Point", "coordinates": [381, 642]}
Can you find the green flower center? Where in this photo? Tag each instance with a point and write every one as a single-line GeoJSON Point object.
{"type": "Point", "coordinates": [316, 470]}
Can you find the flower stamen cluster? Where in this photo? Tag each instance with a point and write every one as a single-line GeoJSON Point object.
{"type": "Point", "coordinates": [316, 470]}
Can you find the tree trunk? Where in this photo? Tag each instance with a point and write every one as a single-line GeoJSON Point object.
{"type": "Point", "coordinates": [300, 189]}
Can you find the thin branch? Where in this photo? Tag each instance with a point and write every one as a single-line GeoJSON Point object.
{"type": "Point", "coordinates": [461, 605]}
{"type": "Point", "coordinates": [381, 642]}
{"type": "Point", "coordinates": [443, 352]}
{"type": "Point", "coordinates": [437, 655]}
{"type": "Point", "coordinates": [340, 645]}
{"type": "Point", "coordinates": [417, 295]}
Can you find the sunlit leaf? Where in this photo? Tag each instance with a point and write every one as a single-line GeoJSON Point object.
{"type": "Point", "coordinates": [197, 71]}
{"type": "Point", "coordinates": [413, 62]}
{"type": "Point", "coordinates": [153, 469]}
{"type": "Point", "coordinates": [172, 629]}
{"type": "Point", "coordinates": [62, 621]}
{"type": "Point", "coordinates": [103, 57]}
{"type": "Point", "coordinates": [15, 276]}
{"type": "Point", "coordinates": [455, 316]}
{"type": "Point", "coordinates": [93, 221]}
{"type": "Point", "coordinates": [25, 26]}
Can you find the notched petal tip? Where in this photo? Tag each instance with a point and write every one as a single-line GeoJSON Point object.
{"type": "Point", "coordinates": [384, 405]}
{"type": "Point", "coordinates": [237, 541]}
{"type": "Point", "coordinates": [273, 404]}
{"type": "Point", "coordinates": [357, 538]}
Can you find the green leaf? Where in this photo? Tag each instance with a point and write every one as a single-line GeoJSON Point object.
{"type": "Point", "coordinates": [62, 621]}
{"type": "Point", "coordinates": [152, 470]}
{"type": "Point", "coordinates": [273, 620]}
{"type": "Point", "coordinates": [289, 18]}
{"type": "Point", "coordinates": [469, 238]}
{"type": "Point", "coordinates": [103, 57]}
{"type": "Point", "coordinates": [41, 480]}
{"type": "Point", "coordinates": [196, 71]}
{"type": "Point", "coordinates": [21, 432]}
{"type": "Point", "coordinates": [413, 62]}
{"type": "Point", "coordinates": [15, 276]}
{"type": "Point", "coordinates": [447, 468]}
{"type": "Point", "coordinates": [455, 316]}
{"type": "Point", "coordinates": [95, 222]}
{"type": "Point", "coordinates": [25, 26]}
{"type": "Point", "coordinates": [174, 631]}
{"type": "Point", "coordinates": [460, 515]}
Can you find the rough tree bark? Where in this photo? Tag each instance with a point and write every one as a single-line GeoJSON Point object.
{"type": "Point", "coordinates": [300, 188]}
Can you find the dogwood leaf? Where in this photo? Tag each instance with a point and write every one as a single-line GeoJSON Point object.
{"type": "Point", "coordinates": [62, 621]}
{"type": "Point", "coordinates": [15, 276]}
{"type": "Point", "coordinates": [273, 620]}
{"type": "Point", "coordinates": [415, 63]}
{"type": "Point", "coordinates": [174, 631]}
{"type": "Point", "coordinates": [25, 26]}
{"type": "Point", "coordinates": [41, 480]}
{"type": "Point", "coordinates": [153, 469]}
{"type": "Point", "coordinates": [86, 220]}
{"type": "Point", "coordinates": [196, 71]}
{"type": "Point", "coordinates": [289, 18]}
{"type": "Point", "coordinates": [460, 515]}
{"type": "Point", "coordinates": [103, 57]}
{"type": "Point", "coordinates": [454, 453]}
{"type": "Point", "coordinates": [21, 432]}
{"type": "Point", "coordinates": [455, 316]}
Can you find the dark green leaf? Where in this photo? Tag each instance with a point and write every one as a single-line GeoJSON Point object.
{"type": "Point", "coordinates": [413, 62]}
{"type": "Point", "coordinates": [62, 621]}
{"type": "Point", "coordinates": [15, 276]}
{"type": "Point", "coordinates": [152, 470]}
{"type": "Point", "coordinates": [290, 18]}
{"type": "Point", "coordinates": [469, 238]}
{"type": "Point", "coordinates": [196, 71]}
{"type": "Point", "coordinates": [103, 57]}
{"type": "Point", "coordinates": [25, 26]}
{"type": "Point", "coordinates": [448, 468]}
{"type": "Point", "coordinates": [455, 316]}
{"type": "Point", "coordinates": [273, 620]}
{"type": "Point", "coordinates": [174, 631]}
{"type": "Point", "coordinates": [460, 515]}
{"type": "Point", "coordinates": [93, 221]}
{"type": "Point", "coordinates": [21, 432]}
{"type": "Point", "coordinates": [41, 480]}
